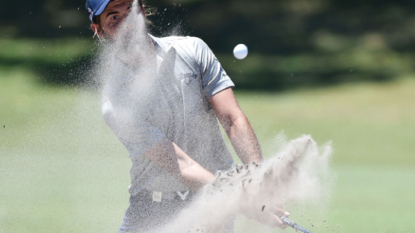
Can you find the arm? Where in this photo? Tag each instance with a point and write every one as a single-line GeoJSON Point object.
{"type": "Point", "coordinates": [174, 160]}
{"type": "Point", "coordinates": [237, 126]}
{"type": "Point", "coordinates": [216, 85]}
{"type": "Point", "coordinates": [246, 145]}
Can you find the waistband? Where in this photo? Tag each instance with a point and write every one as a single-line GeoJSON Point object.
{"type": "Point", "coordinates": [157, 196]}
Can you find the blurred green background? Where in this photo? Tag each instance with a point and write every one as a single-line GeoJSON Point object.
{"type": "Point", "coordinates": [342, 71]}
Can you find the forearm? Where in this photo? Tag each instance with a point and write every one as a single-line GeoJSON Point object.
{"type": "Point", "coordinates": [192, 174]}
{"type": "Point", "coordinates": [244, 140]}
{"type": "Point", "coordinates": [237, 126]}
{"type": "Point", "coordinates": [174, 160]}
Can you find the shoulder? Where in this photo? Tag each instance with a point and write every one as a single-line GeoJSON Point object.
{"type": "Point", "coordinates": [192, 49]}
{"type": "Point", "coordinates": [182, 40]}
{"type": "Point", "coordinates": [187, 44]}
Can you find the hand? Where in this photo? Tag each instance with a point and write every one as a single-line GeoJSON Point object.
{"type": "Point", "coordinates": [269, 216]}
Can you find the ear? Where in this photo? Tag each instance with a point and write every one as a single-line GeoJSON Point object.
{"type": "Point", "coordinates": [143, 10]}
{"type": "Point", "coordinates": [97, 30]}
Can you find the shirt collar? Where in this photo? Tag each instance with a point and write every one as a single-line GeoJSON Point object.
{"type": "Point", "coordinates": [160, 47]}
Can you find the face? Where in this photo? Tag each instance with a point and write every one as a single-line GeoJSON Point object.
{"type": "Point", "coordinates": [111, 18]}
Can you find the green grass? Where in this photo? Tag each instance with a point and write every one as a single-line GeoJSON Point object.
{"type": "Point", "coordinates": [44, 50]}
{"type": "Point", "coordinates": [368, 123]}
{"type": "Point", "coordinates": [62, 170]}
{"type": "Point", "coordinates": [364, 199]}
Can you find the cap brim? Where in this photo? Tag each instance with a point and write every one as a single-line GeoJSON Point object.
{"type": "Point", "coordinates": [101, 8]}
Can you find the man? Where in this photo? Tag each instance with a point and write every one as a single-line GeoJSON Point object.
{"type": "Point", "coordinates": [170, 125]}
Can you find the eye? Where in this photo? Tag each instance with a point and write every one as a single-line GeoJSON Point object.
{"type": "Point", "coordinates": [115, 17]}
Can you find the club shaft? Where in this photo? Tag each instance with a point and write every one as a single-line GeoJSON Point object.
{"type": "Point", "coordinates": [294, 225]}
{"type": "Point", "coordinates": [302, 229]}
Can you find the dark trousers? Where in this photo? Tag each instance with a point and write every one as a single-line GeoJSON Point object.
{"type": "Point", "coordinates": [144, 214]}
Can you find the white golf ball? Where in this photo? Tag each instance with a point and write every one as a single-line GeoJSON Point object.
{"type": "Point", "coordinates": [240, 51]}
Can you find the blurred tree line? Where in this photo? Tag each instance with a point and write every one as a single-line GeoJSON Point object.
{"type": "Point", "coordinates": [291, 42]}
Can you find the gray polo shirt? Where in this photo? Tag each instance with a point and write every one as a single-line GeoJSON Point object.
{"type": "Point", "coordinates": [175, 107]}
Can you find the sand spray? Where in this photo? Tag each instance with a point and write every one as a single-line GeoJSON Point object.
{"type": "Point", "coordinates": [299, 172]}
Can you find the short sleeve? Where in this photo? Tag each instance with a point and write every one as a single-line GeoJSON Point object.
{"type": "Point", "coordinates": [214, 77]}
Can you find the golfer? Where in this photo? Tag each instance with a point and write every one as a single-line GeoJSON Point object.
{"type": "Point", "coordinates": [172, 161]}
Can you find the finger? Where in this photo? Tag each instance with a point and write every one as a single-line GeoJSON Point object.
{"type": "Point", "coordinates": [271, 219]}
{"type": "Point", "coordinates": [280, 212]}
{"type": "Point", "coordinates": [279, 223]}
{"type": "Point", "coordinates": [286, 213]}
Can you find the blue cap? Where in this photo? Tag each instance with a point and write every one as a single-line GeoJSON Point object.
{"type": "Point", "coordinates": [96, 7]}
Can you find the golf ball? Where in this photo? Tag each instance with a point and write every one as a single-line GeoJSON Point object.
{"type": "Point", "coordinates": [240, 51]}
